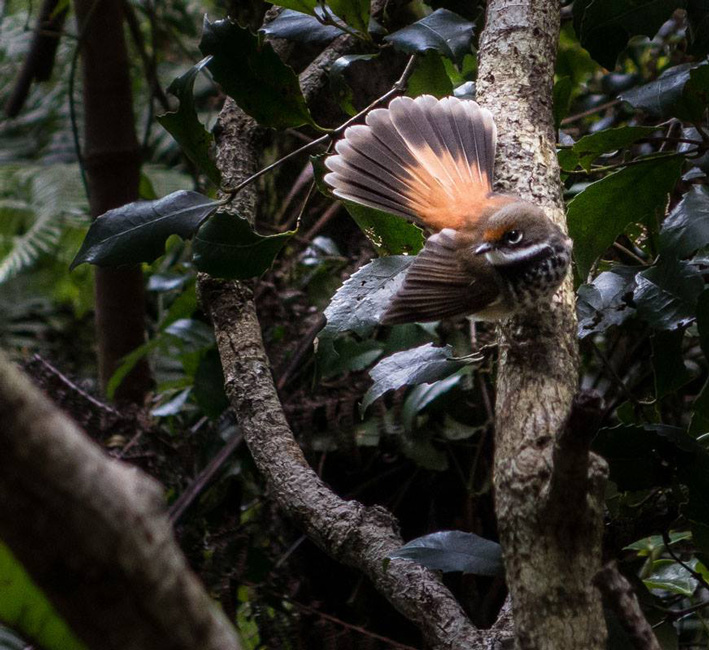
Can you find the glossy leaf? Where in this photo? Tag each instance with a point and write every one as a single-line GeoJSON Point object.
{"type": "Point", "coordinates": [389, 234]}
{"type": "Point", "coordinates": [666, 294]}
{"type": "Point", "coordinates": [227, 247]}
{"type": "Point", "coordinates": [301, 27]}
{"type": "Point", "coordinates": [588, 148]}
{"type": "Point", "coordinates": [604, 26]}
{"type": "Point", "coordinates": [669, 368]}
{"type": "Point", "coordinates": [454, 551]}
{"type": "Point", "coordinates": [24, 607]}
{"type": "Point", "coordinates": [423, 395]}
{"type": "Point", "coordinates": [680, 91]}
{"type": "Point", "coordinates": [253, 75]}
{"type": "Point", "coordinates": [304, 6]}
{"type": "Point", "coordinates": [137, 232]}
{"type": "Point", "coordinates": [561, 99]}
{"type": "Point", "coordinates": [686, 228]}
{"type": "Point", "coordinates": [443, 31]}
{"type": "Point", "coordinates": [172, 406]}
{"type": "Point", "coordinates": [194, 334]}
{"type": "Point", "coordinates": [607, 207]}
{"type": "Point", "coordinates": [430, 77]}
{"type": "Point", "coordinates": [643, 457]}
{"type": "Point", "coordinates": [208, 388]}
{"type": "Point", "coordinates": [422, 365]}
{"type": "Point", "coordinates": [605, 301]}
{"type": "Point", "coordinates": [360, 302]}
{"type": "Point", "coordinates": [668, 575]}
{"type": "Point", "coordinates": [354, 12]}
{"type": "Point", "coordinates": [185, 127]}
{"type": "Point", "coordinates": [338, 80]}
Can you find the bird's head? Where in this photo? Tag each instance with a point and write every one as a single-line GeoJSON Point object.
{"type": "Point", "coordinates": [516, 233]}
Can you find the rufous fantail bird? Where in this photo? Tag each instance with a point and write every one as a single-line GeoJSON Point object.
{"type": "Point", "coordinates": [431, 162]}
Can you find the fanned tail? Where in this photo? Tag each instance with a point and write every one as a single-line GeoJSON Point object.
{"type": "Point", "coordinates": [427, 160]}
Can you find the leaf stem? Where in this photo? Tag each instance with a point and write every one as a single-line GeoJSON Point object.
{"type": "Point", "coordinates": [398, 87]}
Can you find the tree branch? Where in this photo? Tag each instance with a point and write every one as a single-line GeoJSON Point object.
{"type": "Point", "coordinates": [358, 536]}
{"type": "Point", "coordinates": [550, 560]}
{"type": "Point", "coordinates": [620, 596]}
{"type": "Point", "coordinates": [110, 537]}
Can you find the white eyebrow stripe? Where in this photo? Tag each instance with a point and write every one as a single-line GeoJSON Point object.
{"type": "Point", "coordinates": [502, 258]}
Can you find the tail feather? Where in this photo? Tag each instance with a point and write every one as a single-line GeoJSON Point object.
{"type": "Point", "coordinates": [425, 159]}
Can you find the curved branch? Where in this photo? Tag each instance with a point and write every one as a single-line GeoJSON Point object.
{"type": "Point", "coordinates": [550, 560]}
{"type": "Point", "coordinates": [130, 586]}
{"type": "Point", "coordinates": [352, 533]}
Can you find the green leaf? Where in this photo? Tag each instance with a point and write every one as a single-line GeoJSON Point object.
{"type": "Point", "coordinates": [680, 91]}
{"type": "Point", "coordinates": [172, 406]}
{"type": "Point", "coordinates": [354, 12]}
{"type": "Point", "coordinates": [454, 550]}
{"type": "Point", "coordinates": [424, 394]}
{"type": "Point", "coordinates": [670, 576]}
{"type": "Point", "coordinates": [209, 385]}
{"type": "Point", "coordinates": [562, 99]}
{"type": "Point", "coordinates": [194, 334]}
{"type": "Point", "coordinates": [644, 457]}
{"type": "Point", "coordinates": [443, 31]}
{"type": "Point", "coordinates": [183, 125]}
{"type": "Point", "coordinates": [669, 368]}
{"type": "Point", "coordinates": [389, 234]}
{"type": "Point", "coordinates": [360, 302]}
{"type": "Point", "coordinates": [686, 228]}
{"type": "Point", "coordinates": [666, 294]}
{"type": "Point", "coordinates": [338, 80]}
{"type": "Point", "coordinates": [654, 544]}
{"type": "Point", "coordinates": [422, 365]}
{"type": "Point", "coordinates": [347, 355]}
{"type": "Point", "coordinates": [604, 26]}
{"type": "Point", "coordinates": [301, 27]}
{"type": "Point", "coordinates": [430, 77]}
{"type": "Point", "coordinates": [304, 6]}
{"type": "Point", "coordinates": [137, 232]}
{"type": "Point", "coordinates": [589, 147]}
{"type": "Point", "coordinates": [253, 75]}
{"type": "Point", "coordinates": [227, 247]}
{"type": "Point", "coordinates": [607, 207]}
{"type": "Point", "coordinates": [605, 301]}
{"type": "Point", "coordinates": [25, 607]}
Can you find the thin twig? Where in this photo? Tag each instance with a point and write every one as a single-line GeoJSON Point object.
{"type": "Point", "coordinates": [630, 253]}
{"type": "Point", "coordinates": [590, 111]}
{"type": "Point", "coordinates": [397, 88]}
{"type": "Point", "coordinates": [695, 574]}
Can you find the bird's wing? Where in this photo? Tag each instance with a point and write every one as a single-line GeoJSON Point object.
{"type": "Point", "coordinates": [438, 286]}
{"type": "Point", "coordinates": [425, 159]}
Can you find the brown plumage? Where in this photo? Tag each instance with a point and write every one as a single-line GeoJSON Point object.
{"type": "Point", "coordinates": [431, 161]}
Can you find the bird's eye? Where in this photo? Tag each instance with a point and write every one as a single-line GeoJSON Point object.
{"type": "Point", "coordinates": [513, 236]}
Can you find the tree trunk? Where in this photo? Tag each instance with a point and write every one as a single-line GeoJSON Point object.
{"type": "Point", "coordinates": [112, 163]}
{"type": "Point", "coordinates": [93, 534]}
{"type": "Point", "coordinates": [549, 504]}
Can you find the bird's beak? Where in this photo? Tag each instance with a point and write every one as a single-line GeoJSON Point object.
{"type": "Point", "coordinates": [483, 248]}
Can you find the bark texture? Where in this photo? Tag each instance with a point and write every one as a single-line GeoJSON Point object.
{"type": "Point", "coordinates": [551, 551]}
{"type": "Point", "coordinates": [112, 570]}
{"type": "Point", "coordinates": [352, 533]}
{"type": "Point", "coordinates": [112, 162]}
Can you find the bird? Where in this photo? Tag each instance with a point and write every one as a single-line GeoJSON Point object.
{"type": "Point", "coordinates": [430, 161]}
